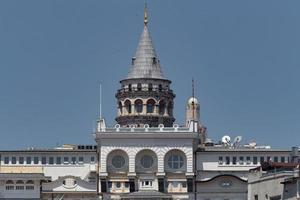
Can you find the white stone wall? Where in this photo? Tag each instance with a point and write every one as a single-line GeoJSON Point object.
{"type": "Point", "coordinates": [160, 146]}
{"type": "Point", "coordinates": [19, 193]}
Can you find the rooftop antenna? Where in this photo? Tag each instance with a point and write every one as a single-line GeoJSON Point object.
{"type": "Point", "coordinates": [100, 114]}
{"type": "Point", "coordinates": [193, 103]}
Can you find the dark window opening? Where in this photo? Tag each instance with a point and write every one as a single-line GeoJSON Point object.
{"type": "Point", "coordinates": [138, 104]}
{"type": "Point", "coordinates": [150, 87]}
{"type": "Point", "coordinates": [150, 106]}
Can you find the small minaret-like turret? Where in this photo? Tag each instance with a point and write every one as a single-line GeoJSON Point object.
{"type": "Point", "coordinates": [192, 111]}
{"type": "Point", "coordinates": [145, 96]}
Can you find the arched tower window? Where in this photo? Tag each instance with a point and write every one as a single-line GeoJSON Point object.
{"type": "Point", "coordinates": [160, 87]}
{"type": "Point", "coordinates": [138, 104]}
{"type": "Point", "coordinates": [139, 87]}
{"type": "Point", "coordinates": [150, 106]}
{"type": "Point", "coordinates": [161, 107]}
{"type": "Point", "coordinates": [120, 107]}
{"type": "Point", "coordinates": [128, 106]}
{"type": "Point", "coordinates": [150, 87]}
{"type": "Point", "coordinates": [170, 108]}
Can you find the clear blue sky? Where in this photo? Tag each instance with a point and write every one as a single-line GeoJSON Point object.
{"type": "Point", "coordinates": [243, 55]}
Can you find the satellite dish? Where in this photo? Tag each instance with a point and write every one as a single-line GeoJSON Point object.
{"type": "Point", "coordinates": [226, 139]}
{"type": "Point", "coordinates": [237, 139]}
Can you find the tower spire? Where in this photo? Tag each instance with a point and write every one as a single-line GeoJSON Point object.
{"type": "Point", "coordinates": [145, 15]}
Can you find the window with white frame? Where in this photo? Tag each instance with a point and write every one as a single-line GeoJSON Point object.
{"type": "Point", "coordinates": [6, 160]}
{"type": "Point", "coordinates": [44, 161]}
{"type": "Point", "coordinates": [36, 160]}
{"type": "Point", "coordinates": [73, 160]}
{"type": "Point", "coordinates": [220, 160]}
{"type": "Point", "coordinates": [227, 160]}
{"type": "Point", "coordinates": [51, 160]}
{"type": "Point", "coordinates": [248, 160]}
{"type": "Point", "coordinates": [255, 160]}
{"type": "Point", "coordinates": [146, 183]}
{"type": "Point", "coordinates": [13, 160]}
{"type": "Point", "coordinates": [66, 160]}
{"type": "Point", "coordinates": [241, 160]}
{"type": "Point", "coordinates": [21, 160]}
{"type": "Point", "coordinates": [58, 160]}
{"type": "Point", "coordinates": [20, 185]}
{"type": "Point", "coordinates": [28, 160]}
{"type": "Point", "coordinates": [9, 185]}
{"type": "Point", "coordinates": [147, 161]}
{"type": "Point", "coordinates": [175, 161]}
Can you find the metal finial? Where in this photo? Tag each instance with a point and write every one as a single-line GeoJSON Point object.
{"type": "Point", "coordinates": [145, 15]}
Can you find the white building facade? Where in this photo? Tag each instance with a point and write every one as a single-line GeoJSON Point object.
{"type": "Point", "coordinates": [144, 156]}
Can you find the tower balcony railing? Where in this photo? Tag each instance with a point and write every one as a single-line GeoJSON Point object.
{"type": "Point", "coordinates": [144, 92]}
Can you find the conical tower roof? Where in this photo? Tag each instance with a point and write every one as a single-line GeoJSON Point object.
{"type": "Point", "coordinates": [145, 64]}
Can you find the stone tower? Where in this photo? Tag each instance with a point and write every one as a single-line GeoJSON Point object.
{"type": "Point", "coordinates": [192, 111]}
{"type": "Point", "coordinates": [145, 96]}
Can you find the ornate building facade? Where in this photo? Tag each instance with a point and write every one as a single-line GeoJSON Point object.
{"type": "Point", "coordinates": [144, 156]}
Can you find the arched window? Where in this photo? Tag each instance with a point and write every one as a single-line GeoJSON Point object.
{"type": "Point", "coordinates": [129, 87]}
{"type": "Point", "coordinates": [150, 87]}
{"type": "Point", "coordinates": [29, 182]}
{"type": "Point", "coordinates": [20, 182]}
{"type": "Point", "coordinates": [160, 87]}
{"type": "Point", "coordinates": [128, 106]}
{"type": "Point", "coordinates": [170, 108]}
{"type": "Point", "coordinates": [150, 106]}
{"type": "Point", "coordinates": [147, 161]}
{"type": "Point", "coordinates": [162, 107]}
{"type": "Point", "coordinates": [175, 161]}
{"type": "Point", "coordinates": [139, 87]}
{"type": "Point", "coordinates": [138, 104]}
{"type": "Point", "coordinates": [9, 182]}
{"type": "Point", "coordinates": [120, 107]}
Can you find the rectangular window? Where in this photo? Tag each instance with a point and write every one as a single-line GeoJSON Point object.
{"type": "Point", "coordinates": [73, 160]}
{"type": "Point", "coordinates": [248, 160]}
{"type": "Point", "coordinates": [227, 160]}
{"type": "Point", "coordinates": [220, 160]}
{"type": "Point", "coordinates": [282, 159]}
{"type": "Point", "coordinates": [255, 160]}
{"type": "Point", "coordinates": [20, 187]}
{"type": "Point", "coordinates": [28, 160]}
{"type": "Point", "coordinates": [92, 159]}
{"type": "Point", "coordinates": [241, 160]}
{"type": "Point", "coordinates": [268, 158]}
{"type": "Point", "coordinates": [21, 160]}
{"type": "Point", "coordinates": [51, 160]}
{"type": "Point", "coordinates": [275, 159]}
{"type": "Point", "coordinates": [36, 160]}
{"type": "Point", "coordinates": [149, 183]}
{"type": "Point", "coordinates": [262, 159]}
{"type": "Point", "coordinates": [66, 160]}
{"type": "Point", "coordinates": [44, 161]}
{"type": "Point", "coordinates": [234, 160]}
{"type": "Point", "coordinates": [9, 187]}
{"type": "Point", "coordinates": [256, 197]}
{"type": "Point", "coordinates": [58, 160]}
{"type": "Point", "coordinates": [80, 160]}
{"type": "Point", "coordinates": [6, 160]}
{"type": "Point", "coordinates": [13, 160]}
{"type": "Point", "coordinates": [109, 184]}
{"type": "Point", "coordinates": [29, 187]}
{"type": "Point", "coordinates": [183, 184]}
